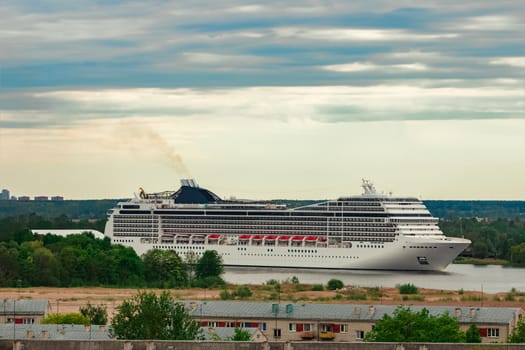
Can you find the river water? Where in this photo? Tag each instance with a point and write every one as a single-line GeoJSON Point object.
{"type": "Point", "coordinates": [489, 279]}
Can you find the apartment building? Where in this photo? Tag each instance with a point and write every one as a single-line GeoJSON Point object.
{"type": "Point", "coordinates": [339, 322]}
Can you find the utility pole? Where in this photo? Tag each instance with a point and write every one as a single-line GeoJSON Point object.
{"type": "Point", "coordinates": [14, 321]}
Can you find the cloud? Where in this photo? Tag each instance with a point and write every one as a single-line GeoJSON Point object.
{"type": "Point", "coordinates": [367, 66]}
{"type": "Point", "coordinates": [490, 23]}
{"type": "Point", "coordinates": [357, 34]}
{"type": "Point", "coordinates": [329, 104]}
{"type": "Point", "coordinates": [510, 61]}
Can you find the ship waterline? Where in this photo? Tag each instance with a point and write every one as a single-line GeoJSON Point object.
{"type": "Point", "coordinates": [371, 231]}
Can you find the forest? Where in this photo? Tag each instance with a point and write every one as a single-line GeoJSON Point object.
{"type": "Point", "coordinates": [83, 260]}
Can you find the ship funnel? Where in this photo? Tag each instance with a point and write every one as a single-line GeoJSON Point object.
{"type": "Point", "coordinates": [188, 182]}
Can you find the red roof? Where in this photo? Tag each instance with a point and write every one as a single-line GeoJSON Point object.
{"type": "Point", "coordinates": [257, 237]}
{"type": "Point", "coordinates": [245, 237]}
{"type": "Point", "coordinates": [284, 238]}
{"type": "Point", "coordinates": [322, 239]}
{"type": "Point", "coordinates": [270, 238]}
{"type": "Point", "coordinates": [214, 236]}
{"type": "Point", "coordinates": [298, 238]}
{"type": "Point", "coordinates": [311, 238]}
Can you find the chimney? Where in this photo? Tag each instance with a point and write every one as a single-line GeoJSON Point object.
{"type": "Point", "coordinates": [371, 310]}
{"type": "Point", "coordinates": [457, 312]}
{"type": "Point", "coordinates": [357, 310]}
{"type": "Point", "coordinates": [193, 306]}
{"type": "Point", "coordinates": [472, 312]}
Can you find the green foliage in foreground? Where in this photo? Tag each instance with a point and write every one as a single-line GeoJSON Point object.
{"type": "Point", "coordinates": [148, 316]}
{"type": "Point", "coordinates": [518, 335]}
{"type": "Point", "coordinates": [472, 334]}
{"type": "Point", "coordinates": [241, 335]}
{"type": "Point", "coordinates": [96, 314]}
{"type": "Point", "coordinates": [69, 318]}
{"type": "Point", "coordinates": [408, 326]}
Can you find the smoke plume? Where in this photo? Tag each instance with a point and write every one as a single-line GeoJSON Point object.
{"type": "Point", "coordinates": [142, 138]}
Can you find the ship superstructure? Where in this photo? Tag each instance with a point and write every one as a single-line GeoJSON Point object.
{"type": "Point", "coordinates": [369, 231]}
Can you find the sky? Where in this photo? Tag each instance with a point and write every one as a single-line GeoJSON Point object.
{"type": "Point", "coordinates": [268, 100]}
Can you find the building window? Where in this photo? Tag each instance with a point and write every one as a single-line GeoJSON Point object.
{"type": "Point", "coordinates": [29, 320]}
{"type": "Point", "coordinates": [291, 327]}
{"type": "Point", "coordinates": [262, 326]}
{"type": "Point", "coordinates": [308, 327]}
{"type": "Point", "coordinates": [277, 332]}
{"type": "Point", "coordinates": [493, 332]}
{"type": "Point", "coordinates": [359, 335]}
{"type": "Point", "coordinates": [344, 328]}
{"type": "Point", "coordinates": [213, 324]}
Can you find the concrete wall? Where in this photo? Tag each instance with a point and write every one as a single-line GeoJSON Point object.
{"type": "Point", "coordinates": [189, 345]}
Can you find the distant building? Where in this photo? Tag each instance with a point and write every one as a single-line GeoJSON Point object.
{"type": "Point", "coordinates": [41, 198]}
{"type": "Point", "coordinates": [4, 195]}
{"type": "Point", "coordinates": [55, 332]}
{"type": "Point", "coordinates": [57, 198]}
{"type": "Point", "coordinates": [24, 198]}
{"type": "Point", "coordinates": [23, 311]}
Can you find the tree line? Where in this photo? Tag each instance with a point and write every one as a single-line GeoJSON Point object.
{"type": "Point", "coordinates": [82, 260]}
{"type": "Point", "coordinates": [498, 239]}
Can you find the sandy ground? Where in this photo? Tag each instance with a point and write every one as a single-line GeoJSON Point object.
{"type": "Point", "coordinates": [65, 300]}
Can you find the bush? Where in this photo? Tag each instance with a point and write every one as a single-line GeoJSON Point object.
{"type": "Point", "coordinates": [272, 282]}
{"type": "Point", "coordinates": [69, 318]}
{"type": "Point", "coordinates": [374, 293]}
{"type": "Point", "coordinates": [317, 288]}
{"type": "Point", "coordinates": [334, 284]}
{"type": "Point", "coordinates": [242, 292]}
{"type": "Point", "coordinates": [209, 282]}
{"type": "Point", "coordinates": [407, 288]}
{"type": "Point", "coordinates": [356, 295]}
{"type": "Point", "coordinates": [225, 295]}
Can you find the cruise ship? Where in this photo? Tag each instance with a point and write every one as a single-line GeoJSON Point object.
{"type": "Point", "coordinates": [371, 231]}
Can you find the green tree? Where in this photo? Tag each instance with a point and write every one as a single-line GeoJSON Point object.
{"type": "Point", "coordinates": [408, 326]}
{"type": "Point", "coordinates": [334, 284]}
{"type": "Point", "coordinates": [97, 314]}
{"type": "Point", "coordinates": [480, 249]}
{"type": "Point", "coordinates": [241, 335]}
{"type": "Point", "coordinates": [209, 269]}
{"type": "Point", "coordinates": [164, 269]}
{"type": "Point", "coordinates": [517, 254]}
{"type": "Point", "coordinates": [472, 334]}
{"type": "Point", "coordinates": [209, 265]}
{"type": "Point", "coordinates": [190, 260]}
{"type": "Point", "coordinates": [68, 318]}
{"type": "Point", "coordinates": [148, 316]}
{"type": "Point", "coordinates": [518, 334]}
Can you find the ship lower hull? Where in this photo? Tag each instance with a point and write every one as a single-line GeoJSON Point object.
{"type": "Point", "coordinates": [409, 254]}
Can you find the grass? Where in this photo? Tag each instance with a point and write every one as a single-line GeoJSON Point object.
{"type": "Point", "coordinates": [480, 262]}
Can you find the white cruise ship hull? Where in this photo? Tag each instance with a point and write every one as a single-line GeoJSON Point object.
{"type": "Point", "coordinates": [398, 255]}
